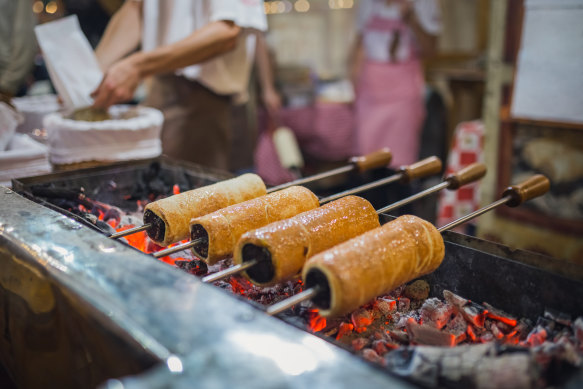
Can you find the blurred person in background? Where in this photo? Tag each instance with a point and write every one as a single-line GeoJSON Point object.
{"type": "Point", "coordinates": [17, 46]}
{"type": "Point", "coordinates": [393, 36]}
{"type": "Point", "coordinates": [262, 95]}
{"type": "Point", "coordinates": [200, 54]}
{"type": "Point", "coordinates": [387, 73]}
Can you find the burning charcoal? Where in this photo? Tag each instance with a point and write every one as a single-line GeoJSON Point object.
{"type": "Point", "coordinates": [486, 337]}
{"type": "Point", "coordinates": [501, 316]}
{"type": "Point", "coordinates": [424, 334]}
{"type": "Point", "coordinates": [316, 322]}
{"type": "Point", "coordinates": [372, 356]}
{"type": "Point", "coordinates": [471, 333]}
{"type": "Point", "coordinates": [554, 353]}
{"type": "Point", "coordinates": [457, 326]}
{"type": "Point", "coordinates": [467, 366]}
{"type": "Point", "coordinates": [401, 322]}
{"type": "Point", "coordinates": [195, 267]}
{"type": "Point", "coordinates": [564, 333]}
{"type": "Point", "coordinates": [558, 317]}
{"type": "Point", "coordinates": [112, 213]}
{"type": "Point", "coordinates": [496, 331]}
{"type": "Point", "coordinates": [397, 292]}
{"type": "Point", "coordinates": [379, 347]}
{"type": "Point", "coordinates": [537, 336]}
{"type": "Point", "coordinates": [359, 343]}
{"type": "Point", "coordinates": [386, 306]}
{"type": "Point", "coordinates": [547, 324]}
{"type": "Point", "coordinates": [361, 318]}
{"type": "Point", "coordinates": [504, 327]}
{"type": "Point", "coordinates": [418, 290]}
{"type": "Point", "coordinates": [473, 313]}
{"type": "Point", "coordinates": [378, 335]}
{"type": "Point", "coordinates": [578, 328]}
{"type": "Point", "coordinates": [403, 304]}
{"type": "Point", "coordinates": [399, 336]}
{"type": "Point", "coordinates": [454, 299]}
{"type": "Point", "coordinates": [436, 313]}
{"type": "Point", "coordinates": [343, 329]}
{"type": "Point", "coordinates": [523, 328]}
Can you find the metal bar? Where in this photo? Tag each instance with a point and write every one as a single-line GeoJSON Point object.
{"type": "Point", "coordinates": [130, 231]}
{"type": "Point", "coordinates": [290, 302]}
{"type": "Point", "coordinates": [362, 188]}
{"type": "Point", "coordinates": [417, 196]}
{"type": "Point", "coordinates": [229, 271]}
{"type": "Point", "coordinates": [474, 214]}
{"type": "Point", "coordinates": [315, 177]}
{"type": "Point", "coordinates": [177, 248]}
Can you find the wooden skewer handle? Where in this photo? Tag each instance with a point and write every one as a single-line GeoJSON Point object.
{"type": "Point", "coordinates": [423, 168]}
{"type": "Point", "coordinates": [535, 186]}
{"type": "Point", "coordinates": [470, 173]}
{"type": "Point", "coordinates": [373, 160]}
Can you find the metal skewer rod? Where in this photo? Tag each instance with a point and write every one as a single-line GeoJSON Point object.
{"type": "Point", "coordinates": [474, 214]}
{"type": "Point", "coordinates": [513, 196]}
{"type": "Point", "coordinates": [423, 168]}
{"type": "Point", "coordinates": [363, 163]}
{"type": "Point", "coordinates": [177, 248]}
{"type": "Point", "coordinates": [315, 177]}
{"type": "Point", "coordinates": [362, 188]}
{"type": "Point", "coordinates": [229, 271]}
{"type": "Point", "coordinates": [464, 176]}
{"type": "Point", "coordinates": [286, 304]}
{"type": "Point", "coordinates": [414, 197]}
{"type": "Point", "coordinates": [130, 231]}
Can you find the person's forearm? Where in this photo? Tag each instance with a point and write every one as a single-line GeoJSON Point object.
{"type": "Point", "coordinates": [427, 42]}
{"type": "Point", "coordinates": [122, 35]}
{"type": "Point", "coordinates": [212, 40]}
{"type": "Point", "coordinates": [265, 70]}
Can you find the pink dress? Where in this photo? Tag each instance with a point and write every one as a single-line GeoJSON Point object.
{"type": "Point", "coordinates": [390, 106]}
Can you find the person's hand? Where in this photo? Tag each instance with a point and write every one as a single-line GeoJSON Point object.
{"type": "Point", "coordinates": [118, 85]}
{"type": "Point", "coordinates": [272, 102]}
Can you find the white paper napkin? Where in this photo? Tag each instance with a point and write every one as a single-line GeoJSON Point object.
{"type": "Point", "coordinates": [70, 60]}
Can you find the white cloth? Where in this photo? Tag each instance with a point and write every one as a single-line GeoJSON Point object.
{"type": "Point", "coordinates": [24, 158]}
{"type": "Point", "coordinates": [9, 120]}
{"type": "Point", "coordinates": [73, 141]}
{"type": "Point", "coordinates": [34, 109]}
{"type": "Point", "coordinates": [376, 42]}
{"type": "Point", "coordinates": [70, 60]}
{"type": "Point", "coordinates": [168, 21]}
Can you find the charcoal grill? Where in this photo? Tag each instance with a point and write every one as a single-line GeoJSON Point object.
{"type": "Point", "coordinates": [79, 308]}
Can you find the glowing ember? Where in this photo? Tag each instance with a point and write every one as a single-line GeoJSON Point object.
{"type": "Point", "coordinates": [315, 321]}
{"type": "Point", "coordinates": [137, 240]}
{"type": "Point", "coordinates": [343, 329]}
{"type": "Point", "coordinates": [176, 189]}
{"type": "Point", "coordinates": [240, 285]}
{"type": "Point", "coordinates": [505, 320]}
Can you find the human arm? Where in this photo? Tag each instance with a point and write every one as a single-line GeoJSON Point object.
{"type": "Point", "coordinates": [269, 94]}
{"type": "Point", "coordinates": [122, 78]}
{"type": "Point", "coordinates": [427, 39]}
{"type": "Point", "coordinates": [122, 35]}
